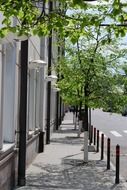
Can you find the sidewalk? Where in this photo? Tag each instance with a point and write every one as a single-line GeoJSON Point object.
{"type": "Point", "coordinates": [61, 165]}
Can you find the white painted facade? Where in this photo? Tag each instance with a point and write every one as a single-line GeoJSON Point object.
{"type": "Point", "coordinates": [10, 90]}
{"type": "Point", "coordinates": [1, 128]}
{"type": "Point", "coordinates": [37, 87]}
{"type": "Point", "coordinates": [10, 71]}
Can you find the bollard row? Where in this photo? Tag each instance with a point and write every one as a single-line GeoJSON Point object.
{"type": "Point", "coordinates": [94, 138]}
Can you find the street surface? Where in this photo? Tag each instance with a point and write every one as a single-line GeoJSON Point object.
{"type": "Point", "coordinates": [114, 126]}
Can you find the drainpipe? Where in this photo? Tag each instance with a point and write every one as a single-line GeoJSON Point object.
{"type": "Point", "coordinates": [57, 110]}
{"type": "Point", "coordinates": [57, 97]}
{"type": "Point", "coordinates": [61, 102]}
{"type": "Point", "coordinates": [23, 114]}
{"type": "Point", "coordinates": [60, 114]}
{"type": "Point", "coordinates": [49, 82]}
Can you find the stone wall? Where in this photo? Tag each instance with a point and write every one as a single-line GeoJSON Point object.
{"type": "Point", "coordinates": [9, 164]}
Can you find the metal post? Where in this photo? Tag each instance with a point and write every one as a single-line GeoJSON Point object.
{"type": "Point", "coordinates": [90, 116]}
{"type": "Point", "coordinates": [41, 142]}
{"type": "Point", "coordinates": [85, 126]}
{"type": "Point", "coordinates": [89, 129]}
{"type": "Point", "coordinates": [57, 96]}
{"type": "Point", "coordinates": [108, 154]}
{"type": "Point", "coordinates": [97, 141]}
{"type": "Point", "coordinates": [22, 115]}
{"type": "Point", "coordinates": [117, 163]}
{"type": "Point", "coordinates": [102, 146]}
{"type": "Point", "coordinates": [57, 110]}
{"type": "Point", "coordinates": [49, 82]}
{"type": "Point", "coordinates": [94, 135]}
{"type": "Point", "coordinates": [48, 113]}
{"type": "Point", "coordinates": [91, 134]}
{"type": "Point", "coordinates": [60, 102]}
{"type": "Point", "coordinates": [89, 123]}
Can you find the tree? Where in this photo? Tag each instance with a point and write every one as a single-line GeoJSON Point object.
{"type": "Point", "coordinates": [89, 73]}
{"type": "Point", "coordinates": [34, 18]}
{"type": "Point", "coordinates": [97, 60]}
{"type": "Point", "coordinates": [122, 78]}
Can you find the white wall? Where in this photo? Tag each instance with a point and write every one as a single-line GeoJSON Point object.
{"type": "Point", "coordinates": [33, 54]}
{"type": "Point", "coordinates": [32, 92]}
{"type": "Point", "coordinates": [8, 96]}
{"type": "Point", "coordinates": [43, 84]}
{"type": "Point", "coordinates": [17, 90]}
{"type": "Point", "coordinates": [1, 128]}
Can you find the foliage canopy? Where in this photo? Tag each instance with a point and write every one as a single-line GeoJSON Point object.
{"type": "Point", "coordinates": [36, 17]}
{"type": "Point", "coordinates": [90, 71]}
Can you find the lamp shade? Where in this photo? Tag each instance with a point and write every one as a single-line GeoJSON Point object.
{"type": "Point", "coordinates": [36, 64]}
{"type": "Point", "coordinates": [56, 89]}
{"type": "Point", "coordinates": [50, 78]}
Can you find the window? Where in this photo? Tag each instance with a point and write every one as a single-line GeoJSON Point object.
{"type": "Point", "coordinates": [8, 93]}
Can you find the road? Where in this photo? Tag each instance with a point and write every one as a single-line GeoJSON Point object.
{"type": "Point", "coordinates": [114, 126]}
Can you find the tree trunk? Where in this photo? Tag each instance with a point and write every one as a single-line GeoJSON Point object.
{"type": "Point", "coordinates": [85, 126]}
{"type": "Point", "coordinates": [85, 122]}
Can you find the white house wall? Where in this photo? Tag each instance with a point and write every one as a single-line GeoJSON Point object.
{"type": "Point", "coordinates": [43, 88]}
{"type": "Point", "coordinates": [34, 48]}
{"type": "Point", "coordinates": [1, 129]}
{"type": "Point", "coordinates": [8, 97]}
{"type": "Point", "coordinates": [32, 84]}
{"type": "Point", "coordinates": [42, 105]}
{"type": "Point", "coordinates": [10, 70]}
{"type": "Point", "coordinates": [33, 54]}
{"type": "Point", "coordinates": [17, 90]}
{"type": "Point", "coordinates": [37, 105]}
{"type": "Point", "coordinates": [45, 104]}
{"type": "Point", "coordinates": [53, 107]}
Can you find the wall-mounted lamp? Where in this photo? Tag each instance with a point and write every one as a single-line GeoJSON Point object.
{"type": "Point", "coordinates": [20, 38]}
{"type": "Point", "coordinates": [36, 64]}
{"type": "Point", "coordinates": [56, 89]}
{"type": "Point", "coordinates": [90, 0]}
{"type": "Point", "coordinates": [51, 78]}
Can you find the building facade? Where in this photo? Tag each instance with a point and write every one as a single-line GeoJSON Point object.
{"type": "Point", "coordinates": [36, 99]}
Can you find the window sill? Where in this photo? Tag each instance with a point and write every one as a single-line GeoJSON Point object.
{"type": "Point", "coordinates": [30, 134]}
{"type": "Point", "coordinates": [7, 149]}
{"type": "Point", "coordinates": [36, 131]}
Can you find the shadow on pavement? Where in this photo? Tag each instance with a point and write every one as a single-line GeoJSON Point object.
{"type": "Point", "coordinates": [67, 124]}
{"type": "Point", "coordinates": [72, 174]}
{"type": "Point", "coordinates": [68, 140]}
{"type": "Point", "coordinates": [67, 131]}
